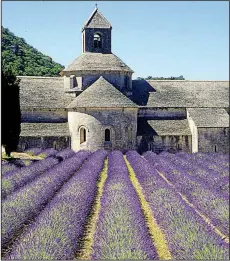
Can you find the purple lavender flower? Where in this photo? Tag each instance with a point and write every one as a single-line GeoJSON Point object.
{"type": "Point", "coordinates": [47, 153]}
{"type": "Point", "coordinates": [15, 179]}
{"type": "Point", "coordinates": [213, 204]}
{"type": "Point", "coordinates": [8, 167]}
{"type": "Point", "coordinates": [33, 151]}
{"type": "Point", "coordinates": [65, 154]}
{"type": "Point", "coordinates": [188, 236]}
{"type": "Point", "coordinates": [27, 202]}
{"type": "Point", "coordinates": [56, 232]}
{"type": "Point", "coordinates": [121, 230]}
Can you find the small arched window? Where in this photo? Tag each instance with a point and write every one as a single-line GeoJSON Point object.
{"type": "Point", "coordinates": [107, 135]}
{"type": "Point", "coordinates": [82, 135]}
{"type": "Point", "coordinates": [97, 41]}
{"type": "Point", "coordinates": [216, 148]}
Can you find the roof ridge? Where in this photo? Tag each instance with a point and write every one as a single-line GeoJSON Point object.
{"type": "Point", "coordinates": [95, 11]}
{"type": "Point", "coordinates": [39, 77]}
{"type": "Point", "coordinates": [184, 80]}
{"type": "Point", "coordinates": [101, 91]}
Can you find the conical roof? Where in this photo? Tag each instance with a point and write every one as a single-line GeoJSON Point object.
{"type": "Point", "coordinates": [101, 94]}
{"type": "Point", "coordinates": [98, 62]}
{"type": "Point", "coordinates": [97, 20]}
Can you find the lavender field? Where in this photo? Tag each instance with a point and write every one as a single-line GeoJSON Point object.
{"type": "Point", "coordinates": [109, 205]}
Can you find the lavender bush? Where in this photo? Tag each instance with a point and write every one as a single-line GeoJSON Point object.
{"type": "Point", "coordinates": [47, 153]}
{"type": "Point", "coordinates": [212, 204]}
{"type": "Point", "coordinates": [27, 202]}
{"type": "Point", "coordinates": [65, 154]}
{"type": "Point", "coordinates": [8, 167]}
{"type": "Point", "coordinates": [33, 151]}
{"type": "Point", "coordinates": [121, 231]}
{"type": "Point", "coordinates": [56, 232]}
{"type": "Point", "coordinates": [188, 236]}
{"type": "Point", "coordinates": [13, 180]}
{"type": "Point", "coordinates": [202, 174]}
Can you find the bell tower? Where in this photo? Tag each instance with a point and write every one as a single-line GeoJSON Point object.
{"type": "Point", "coordinates": [96, 34]}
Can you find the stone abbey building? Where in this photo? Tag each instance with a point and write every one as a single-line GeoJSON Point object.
{"type": "Point", "coordinates": [95, 104]}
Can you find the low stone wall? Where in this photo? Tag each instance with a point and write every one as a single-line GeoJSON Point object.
{"type": "Point", "coordinates": [157, 144]}
{"type": "Point", "coordinates": [57, 143]}
{"type": "Point", "coordinates": [213, 140]}
{"type": "Point", "coordinates": [162, 113]}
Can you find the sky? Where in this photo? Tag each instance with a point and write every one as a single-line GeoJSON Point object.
{"type": "Point", "coordinates": [154, 38]}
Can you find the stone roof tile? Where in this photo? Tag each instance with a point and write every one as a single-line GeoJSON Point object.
{"type": "Point", "coordinates": [42, 92]}
{"type": "Point", "coordinates": [209, 117]}
{"type": "Point", "coordinates": [170, 127]}
{"type": "Point", "coordinates": [181, 93]}
{"type": "Point", "coordinates": [101, 94]}
{"type": "Point", "coordinates": [44, 129]}
{"type": "Point", "coordinates": [97, 62]}
{"type": "Point", "coordinates": [97, 20]}
{"type": "Point", "coordinates": [162, 127]}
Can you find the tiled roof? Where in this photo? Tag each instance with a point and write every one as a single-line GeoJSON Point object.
{"type": "Point", "coordinates": [99, 62]}
{"type": "Point", "coordinates": [44, 129]}
{"type": "Point", "coordinates": [170, 127]}
{"type": "Point", "coordinates": [163, 127]}
{"type": "Point", "coordinates": [181, 93]}
{"type": "Point", "coordinates": [101, 94]}
{"type": "Point", "coordinates": [42, 92]}
{"type": "Point", "coordinates": [97, 20]}
{"type": "Point", "coordinates": [209, 117]}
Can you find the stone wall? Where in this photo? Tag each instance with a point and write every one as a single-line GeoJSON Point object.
{"type": "Point", "coordinates": [37, 115]}
{"type": "Point", "coordinates": [57, 143]}
{"type": "Point", "coordinates": [120, 81]}
{"type": "Point", "coordinates": [170, 143]}
{"type": "Point", "coordinates": [88, 43]}
{"type": "Point", "coordinates": [162, 113]}
{"type": "Point", "coordinates": [213, 140]}
{"type": "Point", "coordinates": [119, 121]}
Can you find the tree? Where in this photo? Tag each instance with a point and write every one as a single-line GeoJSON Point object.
{"type": "Point", "coordinates": [11, 115]}
{"type": "Point", "coordinates": [162, 78]}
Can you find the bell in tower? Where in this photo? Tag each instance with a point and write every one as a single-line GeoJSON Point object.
{"type": "Point", "coordinates": [96, 34]}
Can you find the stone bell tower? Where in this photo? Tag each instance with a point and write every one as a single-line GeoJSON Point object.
{"type": "Point", "coordinates": [96, 34]}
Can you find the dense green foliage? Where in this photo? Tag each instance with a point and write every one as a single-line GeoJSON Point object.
{"type": "Point", "coordinates": [25, 60]}
{"type": "Point", "coordinates": [11, 115]}
{"type": "Point", "coordinates": [162, 78]}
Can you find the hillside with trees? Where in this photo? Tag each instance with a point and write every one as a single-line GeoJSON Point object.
{"type": "Point", "coordinates": [23, 59]}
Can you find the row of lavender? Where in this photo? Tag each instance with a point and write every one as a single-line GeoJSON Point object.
{"type": "Point", "coordinates": [16, 164]}
{"type": "Point", "coordinates": [26, 203]}
{"type": "Point", "coordinates": [56, 232]}
{"type": "Point", "coordinates": [207, 200]}
{"type": "Point", "coordinates": [121, 232]}
{"type": "Point", "coordinates": [188, 236]}
{"type": "Point", "coordinates": [17, 178]}
{"type": "Point", "coordinates": [13, 164]}
{"type": "Point", "coordinates": [213, 175]}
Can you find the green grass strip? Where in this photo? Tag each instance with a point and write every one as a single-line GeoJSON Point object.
{"type": "Point", "coordinates": [156, 234]}
{"type": "Point", "coordinates": [87, 240]}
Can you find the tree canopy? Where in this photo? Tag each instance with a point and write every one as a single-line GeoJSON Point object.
{"type": "Point", "coordinates": [162, 78]}
{"type": "Point", "coordinates": [11, 115]}
{"type": "Point", "coordinates": [23, 59]}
